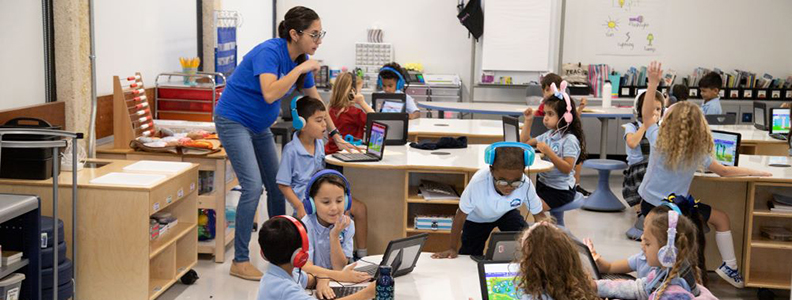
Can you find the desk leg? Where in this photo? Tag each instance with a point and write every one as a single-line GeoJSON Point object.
{"type": "Point", "coordinates": [604, 138]}
{"type": "Point", "coordinates": [220, 194]}
{"type": "Point", "coordinates": [442, 114]}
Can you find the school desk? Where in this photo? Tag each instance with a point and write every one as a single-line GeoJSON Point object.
{"type": "Point", "coordinates": [476, 131]}
{"type": "Point", "coordinates": [755, 141]}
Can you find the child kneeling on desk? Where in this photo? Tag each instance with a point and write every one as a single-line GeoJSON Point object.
{"type": "Point", "coordinates": [284, 244]}
{"type": "Point", "coordinates": [492, 199]}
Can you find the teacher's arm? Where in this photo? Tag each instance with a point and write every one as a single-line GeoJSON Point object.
{"type": "Point", "coordinates": [273, 88]}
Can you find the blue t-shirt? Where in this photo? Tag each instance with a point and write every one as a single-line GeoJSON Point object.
{"type": "Point", "coordinates": [242, 100]}
{"type": "Point", "coordinates": [319, 241]}
{"type": "Point", "coordinates": [637, 263]}
{"type": "Point", "coordinates": [712, 107]}
{"type": "Point", "coordinates": [634, 155]}
{"type": "Point", "coordinates": [298, 166]}
{"type": "Point", "coordinates": [483, 204]}
{"type": "Point", "coordinates": [563, 146]}
{"type": "Point", "coordinates": [276, 284]}
{"type": "Point", "coordinates": [660, 181]}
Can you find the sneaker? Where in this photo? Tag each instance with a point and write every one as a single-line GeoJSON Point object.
{"type": "Point", "coordinates": [634, 234]}
{"type": "Point", "coordinates": [581, 190]}
{"type": "Point", "coordinates": [245, 270]}
{"type": "Point", "coordinates": [732, 276]}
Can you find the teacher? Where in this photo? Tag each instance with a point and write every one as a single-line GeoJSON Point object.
{"type": "Point", "coordinates": [248, 107]}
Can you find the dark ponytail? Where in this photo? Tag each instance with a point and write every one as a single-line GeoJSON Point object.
{"type": "Point", "coordinates": [298, 18]}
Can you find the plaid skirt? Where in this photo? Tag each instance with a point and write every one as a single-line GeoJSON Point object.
{"type": "Point", "coordinates": [632, 181]}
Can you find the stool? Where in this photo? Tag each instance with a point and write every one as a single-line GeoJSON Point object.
{"type": "Point", "coordinates": [603, 198]}
{"type": "Point", "coordinates": [284, 130]}
{"type": "Point", "coordinates": [558, 212]}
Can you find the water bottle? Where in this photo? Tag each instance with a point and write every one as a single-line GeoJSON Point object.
{"type": "Point", "coordinates": [607, 89]}
{"type": "Point", "coordinates": [385, 284]}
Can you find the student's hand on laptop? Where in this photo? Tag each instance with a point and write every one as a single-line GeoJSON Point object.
{"type": "Point", "coordinates": [340, 224]}
{"type": "Point", "coordinates": [344, 145]}
{"type": "Point", "coordinates": [450, 253]}
{"type": "Point", "coordinates": [323, 289]}
{"type": "Point", "coordinates": [590, 245]}
{"type": "Point", "coordinates": [350, 275]}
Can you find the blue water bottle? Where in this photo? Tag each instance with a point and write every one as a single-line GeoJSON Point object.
{"type": "Point", "coordinates": [385, 284]}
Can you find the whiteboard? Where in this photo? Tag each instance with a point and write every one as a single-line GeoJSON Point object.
{"type": "Point", "coordinates": [22, 55]}
{"type": "Point", "coordinates": [517, 35]}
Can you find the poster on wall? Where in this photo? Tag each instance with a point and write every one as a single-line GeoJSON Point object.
{"type": "Point", "coordinates": [629, 27]}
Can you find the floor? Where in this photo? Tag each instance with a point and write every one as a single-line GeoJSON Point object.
{"type": "Point", "coordinates": [607, 234]}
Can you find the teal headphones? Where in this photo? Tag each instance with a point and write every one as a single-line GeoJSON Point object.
{"type": "Point", "coordinates": [399, 84]}
{"type": "Point", "coordinates": [297, 121]}
{"type": "Point", "coordinates": [528, 152]}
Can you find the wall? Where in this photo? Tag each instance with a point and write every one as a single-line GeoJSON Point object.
{"type": "Point", "coordinates": [256, 23]}
{"type": "Point", "coordinates": [22, 56]}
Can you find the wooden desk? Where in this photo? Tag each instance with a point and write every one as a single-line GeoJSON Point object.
{"type": "Point", "coordinates": [224, 180]}
{"type": "Point", "coordinates": [390, 189]}
{"type": "Point", "coordinates": [756, 141]}
{"type": "Point", "coordinates": [117, 259]}
{"type": "Point", "coordinates": [477, 131]}
{"type": "Point", "coordinates": [764, 263]}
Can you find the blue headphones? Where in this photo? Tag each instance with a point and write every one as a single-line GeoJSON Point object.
{"type": "Point", "coordinates": [399, 84]}
{"type": "Point", "coordinates": [308, 201]}
{"type": "Point", "coordinates": [297, 121]}
{"type": "Point", "coordinates": [528, 151]}
{"type": "Point", "coordinates": [352, 140]}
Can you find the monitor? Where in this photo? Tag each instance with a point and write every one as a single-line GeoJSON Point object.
{"type": "Point", "coordinates": [376, 143]}
{"type": "Point", "coordinates": [779, 121]}
{"type": "Point", "coordinates": [727, 147]}
{"type": "Point", "coordinates": [503, 246]}
{"type": "Point", "coordinates": [390, 106]}
{"type": "Point", "coordinates": [389, 102]}
{"type": "Point", "coordinates": [498, 280]}
{"type": "Point", "coordinates": [511, 129]}
{"type": "Point", "coordinates": [402, 254]}
{"type": "Point", "coordinates": [397, 126]}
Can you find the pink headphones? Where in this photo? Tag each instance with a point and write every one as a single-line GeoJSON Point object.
{"type": "Point", "coordinates": [568, 117]}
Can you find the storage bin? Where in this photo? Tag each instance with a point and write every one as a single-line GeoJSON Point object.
{"type": "Point", "coordinates": [10, 286]}
{"type": "Point", "coordinates": [27, 163]}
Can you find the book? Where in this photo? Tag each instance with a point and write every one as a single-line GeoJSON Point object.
{"type": "Point", "coordinates": [11, 257]}
{"type": "Point", "coordinates": [432, 190]}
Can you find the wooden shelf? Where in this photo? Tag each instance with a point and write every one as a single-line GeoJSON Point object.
{"type": "Point", "coordinates": [170, 237]}
{"type": "Point", "coordinates": [413, 197]}
{"type": "Point", "coordinates": [771, 281]}
{"type": "Point", "coordinates": [208, 247]}
{"type": "Point", "coordinates": [767, 213]}
{"type": "Point", "coordinates": [207, 201]}
{"type": "Point", "coordinates": [4, 271]}
{"type": "Point", "coordinates": [413, 230]}
{"type": "Point", "coordinates": [762, 242]}
{"type": "Point", "coordinates": [159, 286]}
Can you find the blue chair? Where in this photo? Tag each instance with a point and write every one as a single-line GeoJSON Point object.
{"type": "Point", "coordinates": [603, 199]}
{"type": "Point", "coordinates": [558, 212]}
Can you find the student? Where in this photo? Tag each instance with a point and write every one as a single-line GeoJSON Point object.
{"type": "Point", "coordinates": [393, 79]}
{"type": "Point", "coordinates": [635, 263]}
{"type": "Point", "coordinates": [679, 147]}
{"type": "Point", "coordinates": [550, 267]}
{"type": "Point", "coordinates": [304, 156]}
{"type": "Point", "coordinates": [283, 242]}
{"type": "Point", "coordinates": [637, 148]}
{"type": "Point", "coordinates": [670, 246]}
{"type": "Point", "coordinates": [709, 87]}
{"type": "Point", "coordinates": [563, 145]}
{"type": "Point", "coordinates": [348, 118]}
{"type": "Point", "coordinates": [492, 199]}
{"type": "Point", "coordinates": [678, 92]}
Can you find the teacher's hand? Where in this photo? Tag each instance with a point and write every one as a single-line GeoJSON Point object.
{"type": "Point", "coordinates": [310, 65]}
{"type": "Point", "coordinates": [344, 145]}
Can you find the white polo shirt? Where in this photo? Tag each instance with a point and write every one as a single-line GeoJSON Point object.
{"type": "Point", "coordinates": [483, 204]}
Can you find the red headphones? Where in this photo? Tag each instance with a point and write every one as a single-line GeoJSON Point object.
{"type": "Point", "coordinates": [300, 256]}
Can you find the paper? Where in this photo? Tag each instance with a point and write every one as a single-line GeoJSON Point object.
{"type": "Point", "coordinates": [158, 166]}
{"type": "Point", "coordinates": [516, 35]}
{"type": "Point", "coordinates": [129, 179]}
{"type": "Point", "coordinates": [630, 27]}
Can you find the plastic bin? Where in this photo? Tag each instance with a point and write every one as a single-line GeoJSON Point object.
{"type": "Point", "coordinates": [10, 286]}
{"type": "Point", "coordinates": [28, 163]}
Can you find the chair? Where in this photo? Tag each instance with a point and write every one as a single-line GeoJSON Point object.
{"type": "Point", "coordinates": [558, 212]}
{"type": "Point", "coordinates": [725, 119]}
{"type": "Point", "coordinates": [603, 199]}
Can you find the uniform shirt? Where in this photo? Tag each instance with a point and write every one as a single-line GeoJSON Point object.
{"type": "Point", "coordinates": [352, 121]}
{"type": "Point", "coordinates": [637, 263]}
{"type": "Point", "coordinates": [319, 241]}
{"type": "Point", "coordinates": [483, 204]}
{"type": "Point", "coordinates": [242, 100]}
{"type": "Point", "coordinates": [410, 105]}
{"type": "Point", "coordinates": [563, 146]}
{"type": "Point", "coordinates": [712, 107]}
{"type": "Point", "coordinates": [634, 155]}
{"type": "Point", "coordinates": [298, 166]}
{"type": "Point", "coordinates": [276, 284]}
{"type": "Point", "coordinates": [659, 181]}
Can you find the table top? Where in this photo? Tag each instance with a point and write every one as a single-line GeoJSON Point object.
{"type": "Point", "coordinates": [108, 149]}
{"type": "Point", "coordinates": [517, 109]}
{"type": "Point", "coordinates": [456, 127]}
{"type": "Point", "coordinates": [404, 157]}
{"type": "Point", "coordinates": [759, 162]}
{"type": "Point", "coordinates": [749, 133]}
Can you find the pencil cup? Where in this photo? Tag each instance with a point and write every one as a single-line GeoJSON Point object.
{"type": "Point", "coordinates": [190, 80]}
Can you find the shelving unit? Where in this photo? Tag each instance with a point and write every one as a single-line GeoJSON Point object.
{"type": "Point", "coordinates": [767, 263]}
{"type": "Point", "coordinates": [21, 214]}
{"type": "Point", "coordinates": [415, 205]}
{"type": "Point", "coordinates": [179, 101]}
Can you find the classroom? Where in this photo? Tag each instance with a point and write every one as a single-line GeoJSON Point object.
{"type": "Point", "coordinates": [445, 149]}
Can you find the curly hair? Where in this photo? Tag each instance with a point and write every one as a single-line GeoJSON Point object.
{"type": "Point", "coordinates": [685, 243]}
{"type": "Point", "coordinates": [684, 136]}
{"type": "Point", "coordinates": [342, 88]}
{"type": "Point", "coordinates": [551, 265]}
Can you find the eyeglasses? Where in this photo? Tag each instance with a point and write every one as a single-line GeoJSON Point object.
{"type": "Point", "coordinates": [316, 35]}
{"type": "Point", "coordinates": [504, 183]}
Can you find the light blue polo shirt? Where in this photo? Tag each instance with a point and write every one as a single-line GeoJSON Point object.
{"type": "Point", "coordinates": [319, 241]}
{"type": "Point", "coordinates": [276, 284]}
{"type": "Point", "coordinates": [712, 107]}
{"type": "Point", "coordinates": [659, 181]}
{"type": "Point", "coordinates": [563, 146]}
{"type": "Point", "coordinates": [637, 263]}
{"type": "Point", "coordinates": [483, 204]}
{"type": "Point", "coordinates": [298, 166]}
{"type": "Point", "coordinates": [634, 155]}
{"type": "Point", "coordinates": [410, 105]}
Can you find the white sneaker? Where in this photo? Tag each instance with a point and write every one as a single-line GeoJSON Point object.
{"type": "Point", "coordinates": [732, 276]}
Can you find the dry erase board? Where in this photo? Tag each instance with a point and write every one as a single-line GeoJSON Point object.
{"type": "Point", "coordinates": [22, 55]}
{"type": "Point", "coordinates": [517, 35]}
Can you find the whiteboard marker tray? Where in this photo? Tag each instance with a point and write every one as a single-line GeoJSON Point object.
{"type": "Point", "coordinates": [158, 166]}
{"type": "Point", "coordinates": [129, 179]}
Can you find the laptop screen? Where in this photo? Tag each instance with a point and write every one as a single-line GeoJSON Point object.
{"type": "Point", "coordinates": [511, 129]}
{"type": "Point", "coordinates": [377, 139]}
{"type": "Point", "coordinates": [392, 107]}
{"type": "Point", "coordinates": [726, 147]}
{"type": "Point", "coordinates": [780, 121]}
{"type": "Point", "coordinates": [499, 280]}
{"type": "Point", "coordinates": [587, 261]}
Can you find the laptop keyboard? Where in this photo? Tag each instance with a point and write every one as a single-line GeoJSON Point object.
{"type": "Point", "coordinates": [370, 269]}
{"type": "Point", "coordinates": [617, 277]}
{"type": "Point", "coordinates": [343, 291]}
{"type": "Point", "coordinates": [352, 156]}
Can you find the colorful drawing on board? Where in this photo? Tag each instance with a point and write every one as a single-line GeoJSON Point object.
{"type": "Point", "coordinates": [650, 37]}
{"type": "Point", "coordinates": [611, 25]}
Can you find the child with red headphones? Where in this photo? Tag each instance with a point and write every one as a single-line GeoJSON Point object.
{"type": "Point", "coordinates": [284, 244]}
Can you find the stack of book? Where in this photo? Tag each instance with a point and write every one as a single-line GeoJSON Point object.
{"type": "Point", "coordinates": [780, 203]}
{"type": "Point", "coordinates": [11, 257]}
{"type": "Point", "coordinates": [431, 190]}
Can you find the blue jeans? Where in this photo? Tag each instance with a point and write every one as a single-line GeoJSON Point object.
{"type": "Point", "coordinates": [255, 162]}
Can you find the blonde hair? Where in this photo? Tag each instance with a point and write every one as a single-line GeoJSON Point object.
{"type": "Point", "coordinates": [684, 136]}
{"type": "Point", "coordinates": [550, 264]}
{"type": "Point", "coordinates": [339, 99]}
{"type": "Point", "coordinates": [685, 243]}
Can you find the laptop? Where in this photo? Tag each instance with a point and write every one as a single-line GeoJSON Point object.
{"type": "Point", "coordinates": [401, 255]}
{"type": "Point", "coordinates": [727, 147]}
{"type": "Point", "coordinates": [511, 129]}
{"type": "Point", "coordinates": [389, 102]}
{"type": "Point", "coordinates": [398, 124]}
{"type": "Point", "coordinates": [590, 266]}
{"type": "Point", "coordinates": [376, 146]}
{"type": "Point", "coordinates": [760, 115]}
{"type": "Point", "coordinates": [498, 280]}
{"type": "Point", "coordinates": [502, 247]}
{"type": "Point", "coordinates": [779, 123]}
